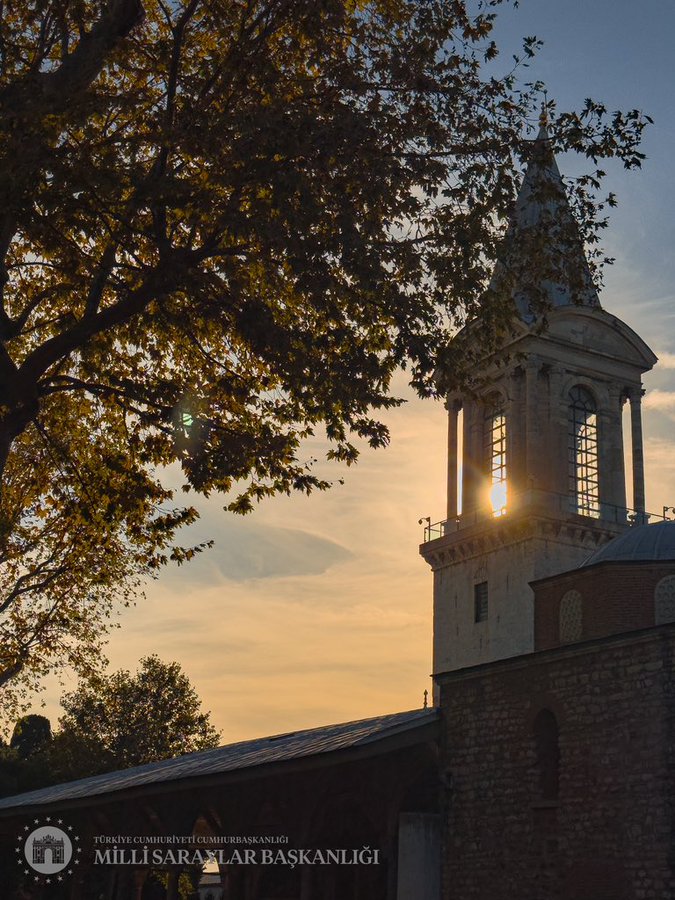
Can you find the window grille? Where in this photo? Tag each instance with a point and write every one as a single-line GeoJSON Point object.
{"type": "Point", "coordinates": [583, 453]}
{"type": "Point", "coordinates": [495, 453]}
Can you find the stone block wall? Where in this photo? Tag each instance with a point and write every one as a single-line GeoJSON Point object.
{"type": "Point", "coordinates": [607, 833]}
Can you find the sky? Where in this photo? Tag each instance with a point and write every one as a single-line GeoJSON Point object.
{"type": "Point", "coordinates": [318, 610]}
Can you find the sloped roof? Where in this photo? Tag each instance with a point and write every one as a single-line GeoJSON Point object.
{"type": "Point", "coordinates": [641, 543]}
{"type": "Point", "coordinates": [232, 757]}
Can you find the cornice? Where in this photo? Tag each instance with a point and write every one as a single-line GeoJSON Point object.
{"type": "Point", "coordinates": [490, 535]}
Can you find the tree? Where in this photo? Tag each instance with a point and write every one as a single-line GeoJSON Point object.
{"type": "Point", "coordinates": [31, 734]}
{"type": "Point", "coordinates": [223, 224]}
{"type": "Point", "coordinates": [124, 719]}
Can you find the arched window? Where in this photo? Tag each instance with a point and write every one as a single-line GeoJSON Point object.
{"type": "Point", "coordinates": [583, 453]}
{"type": "Point", "coordinates": [547, 746]}
{"type": "Point", "coordinates": [664, 601]}
{"type": "Point", "coordinates": [570, 622]}
{"type": "Point", "coordinates": [494, 435]}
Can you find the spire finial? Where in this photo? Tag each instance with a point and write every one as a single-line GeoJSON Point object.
{"type": "Point", "coordinates": [543, 114]}
{"type": "Point", "coordinates": [426, 699]}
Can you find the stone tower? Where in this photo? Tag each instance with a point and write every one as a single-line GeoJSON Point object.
{"type": "Point", "coordinates": [539, 460]}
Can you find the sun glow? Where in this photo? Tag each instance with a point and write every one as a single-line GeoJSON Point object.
{"type": "Point", "coordinates": [498, 498]}
{"type": "Point", "coordinates": [497, 463]}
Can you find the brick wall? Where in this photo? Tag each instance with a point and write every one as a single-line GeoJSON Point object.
{"type": "Point", "coordinates": [608, 835]}
{"type": "Point", "coordinates": [616, 597]}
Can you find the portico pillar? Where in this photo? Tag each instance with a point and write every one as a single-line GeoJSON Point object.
{"type": "Point", "coordinates": [454, 405]}
{"type": "Point", "coordinates": [139, 880]}
{"type": "Point", "coordinates": [612, 474]}
{"type": "Point", "coordinates": [638, 454]}
{"type": "Point", "coordinates": [472, 458]}
{"type": "Point", "coordinates": [557, 476]}
{"type": "Point", "coordinates": [172, 886]}
{"type": "Point", "coordinates": [515, 437]}
{"type": "Point", "coordinates": [534, 416]}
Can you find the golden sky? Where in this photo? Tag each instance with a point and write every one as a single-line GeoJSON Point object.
{"type": "Point", "coordinates": [317, 610]}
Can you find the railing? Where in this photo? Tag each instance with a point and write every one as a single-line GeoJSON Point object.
{"type": "Point", "coordinates": [543, 501]}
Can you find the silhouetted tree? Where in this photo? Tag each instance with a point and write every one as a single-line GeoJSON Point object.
{"type": "Point", "coordinates": [224, 224]}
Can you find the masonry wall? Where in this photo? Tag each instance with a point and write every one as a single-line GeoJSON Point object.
{"type": "Point", "coordinates": [608, 833]}
{"type": "Point", "coordinates": [516, 556]}
{"type": "Point", "coordinates": [615, 597]}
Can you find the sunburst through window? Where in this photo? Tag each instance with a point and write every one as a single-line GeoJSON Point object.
{"type": "Point", "coordinates": [495, 439]}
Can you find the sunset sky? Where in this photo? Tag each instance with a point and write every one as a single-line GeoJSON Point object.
{"type": "Point", "coordinates": [318, 610]}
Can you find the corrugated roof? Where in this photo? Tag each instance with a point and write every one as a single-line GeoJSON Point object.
{"type": "Point", "coordinates": [232, 757]}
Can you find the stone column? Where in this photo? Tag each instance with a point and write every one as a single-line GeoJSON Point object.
{"type": "Point", "coordinates": [557, 481]}
{"type": "Point", "coordinates": [638, 454]}
{"type": "Point", "coordinates": [533, 414]}
{"type": "Point", "coordinates": [612, 474]}
{"type": "Point", "coordinates": [454, 405]}
{"type": "Point", "coordinates": [172, 886]}
{"type": "Point", "coordinates": [139, 880]}
{"type": "Point", "coordinates": [470, 464]}
{"type": "Point", "coordinates": [515, 437]}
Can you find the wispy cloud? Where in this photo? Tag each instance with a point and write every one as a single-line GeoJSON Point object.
{"type": "Point", "coordinates": [661, 400]}
{"type": "Point", "coordinates": [666, 359]}
{"type": "Point", "coordinates": [310, 610]}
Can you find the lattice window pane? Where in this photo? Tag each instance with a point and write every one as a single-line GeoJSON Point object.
{"type": "Point", "coordinates": [495, 453]}
{"type": "Point", "coordinates": [582, 456]}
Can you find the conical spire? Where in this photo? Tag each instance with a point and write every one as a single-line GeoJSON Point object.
{"type": "Point", "coordinates": [543, 248]}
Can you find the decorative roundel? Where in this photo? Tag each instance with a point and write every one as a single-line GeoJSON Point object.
{"type": "Point", "coordinates": [664, 601]}
{"type": "Point", "coordinates": [571, 607]}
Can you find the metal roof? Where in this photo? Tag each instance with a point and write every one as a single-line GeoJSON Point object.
{"type": "Point", "coordinates": [641, 543]}
{"type": "Point", "coordinates": [232, 757]}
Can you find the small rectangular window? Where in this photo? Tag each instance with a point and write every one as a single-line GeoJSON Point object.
{"type": "Point", "coordinates": [480, 602]}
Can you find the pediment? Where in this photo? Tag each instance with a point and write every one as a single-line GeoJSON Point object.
{"type": "Point", "coordinates": [598, 332]}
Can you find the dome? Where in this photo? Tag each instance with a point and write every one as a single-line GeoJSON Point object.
{"type": "Point", "coordinates": [641, 543]}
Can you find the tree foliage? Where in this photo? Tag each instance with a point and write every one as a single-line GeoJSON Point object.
{"type": "Point", "coordinates": [111, 722]}
{"type": "Point", "coordinates": [30, 735]}
{"type": "Point", "coordinates": [125, 719]}
{"type": "Point", "coordinates": [223, 224]}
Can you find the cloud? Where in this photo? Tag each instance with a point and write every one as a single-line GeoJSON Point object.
{"type": "Point", "coordinates": [660, 400]}
{"type": "Point", "coordinates": [312, 609]}
{"type": "Point", "coordinates": [666, 360]}
{"type": "Point", "coordinates": [246, 550]}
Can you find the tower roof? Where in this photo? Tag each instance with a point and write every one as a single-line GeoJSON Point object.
{"type": "Point", "coordinates": [543, 247]}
